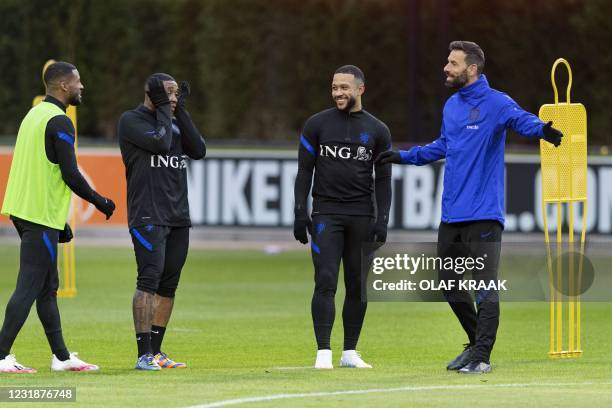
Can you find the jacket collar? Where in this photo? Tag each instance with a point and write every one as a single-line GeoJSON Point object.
{"type": "Point", "coordinates": [55, 101]}
{"type": "Point", "coordinates": [475, 90]}
{"type": "Point", "coordinates": [350, 114]}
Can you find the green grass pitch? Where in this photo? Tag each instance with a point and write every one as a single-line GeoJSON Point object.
{"type": "Point", "coordinates": [242, 324]}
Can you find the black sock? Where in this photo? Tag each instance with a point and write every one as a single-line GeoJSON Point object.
{"type": "Point", "coordinates": [3, 354]}
{"type": "Point", "coordinates": [143, 340]}
{"type": "Point", "coordinates": [157, 336]}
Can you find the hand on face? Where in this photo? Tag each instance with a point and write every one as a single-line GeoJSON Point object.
{"type": "Point", "coordinates": [163, 92]}
{"type": "Point", "coordinates": [184, 92]}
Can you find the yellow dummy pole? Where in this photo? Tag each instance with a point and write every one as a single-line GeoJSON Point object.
{"type": "Point", "coordinates": [564, 181]}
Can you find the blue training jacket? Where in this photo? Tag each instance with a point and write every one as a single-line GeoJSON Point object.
{"type": "Point", "coordinates": [472, 140]}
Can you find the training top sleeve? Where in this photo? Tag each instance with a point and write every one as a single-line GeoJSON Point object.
{"type": "Point", "coordinates": [137, 130]}
{"type": "Point", "coordinates": [421, 155]}
{"type": "Point", "coordinates": [191, 139]}
{"type": "Point", "coordinates": [307, 155]}
{"type": "Point", "coordinates": [60, 134]}
{"type": "Point", "coordinates": [522, 122]}
{"type": "Point", "coordinates": [382, 180]}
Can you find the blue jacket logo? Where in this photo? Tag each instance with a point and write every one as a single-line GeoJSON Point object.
{"type": "Point", "coordinates": [474, 114]}
{"type": "Point", "coordinates": [364, 137]}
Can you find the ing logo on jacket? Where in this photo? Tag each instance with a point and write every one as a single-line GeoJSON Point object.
{"type": "Point", "coordinates": [173, 162]}
{"type": "Point", "coordinates": [361, 153]}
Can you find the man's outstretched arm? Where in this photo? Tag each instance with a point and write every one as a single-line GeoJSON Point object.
{"type": "Point", "coordinates": [527, 124]}
{"type": "Point", "coordinates": [418, 155]}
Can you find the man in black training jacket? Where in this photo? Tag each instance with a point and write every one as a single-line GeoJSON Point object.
{"type": "Point", "coordinates": [156, 140]}
{"type": "Point", "coordinates": [350, 206]}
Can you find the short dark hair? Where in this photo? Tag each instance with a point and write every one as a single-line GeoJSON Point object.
{"type": "Point", "coordinates": [159, 75]}
{"type": "Point", "coordinates": [353, 70]}
{"type": "Point", "coordinates": [57, 71]}
{"type": "Point", "coordinates": [473, 53]}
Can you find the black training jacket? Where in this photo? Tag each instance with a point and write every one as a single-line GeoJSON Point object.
{"type": "Point", "coordinates": [341, 148]}
{"type": "Point", "coordinates": [155, 150]}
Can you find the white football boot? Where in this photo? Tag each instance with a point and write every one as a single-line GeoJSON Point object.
{"type": "Point", "coordinates": [324, 360]}
{"type": "Point", "coordinates": [10, 365]}
{"type": "Point", "coordinates": [352, 359]}
{"type": "Point", "coordinates": [72, 364]}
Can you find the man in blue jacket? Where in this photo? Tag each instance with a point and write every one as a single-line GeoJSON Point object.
{"type": "Point", "coordinates": [472, 138]}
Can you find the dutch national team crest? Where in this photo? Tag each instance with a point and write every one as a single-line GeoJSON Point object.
{"type": "Point", "coordinates": [364, 137]}
{"type": "Point", "coordinates": [474, 114]}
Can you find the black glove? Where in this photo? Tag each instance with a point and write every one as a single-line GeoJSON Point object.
{"type": "Point", "coordinates": [157, 92]}
{"type": "Point", "coordinates": [301, 226]}
{"type": "Point", "coordinates": [388, 157]}
{"type": "Point", "coordinates": [184, 92]}
{"type": "Point", "coordinates": [65, 235]}
{"type": "Point", "coordinates": [552, 135]}
{"type": "Point", "coordinates": [104, 205]}
{"type": "Point", "coordinates": [379, 233]}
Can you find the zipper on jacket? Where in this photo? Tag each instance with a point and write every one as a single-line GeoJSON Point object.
{"type": "Point", "coordinates": [348, 128]}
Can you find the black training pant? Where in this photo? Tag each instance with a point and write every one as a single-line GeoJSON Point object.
{"type": "Point", "coordinates": [335, 238]}
{"type": "Point", "coordinates": [473, 239]}
{"type": "Point", "coordinates": [37, 281]}
{"type": "Point", "coordinates": [160, 255]}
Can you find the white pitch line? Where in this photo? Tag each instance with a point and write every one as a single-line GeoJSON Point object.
{"type": "Point", "coordinates": [239, 401]}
